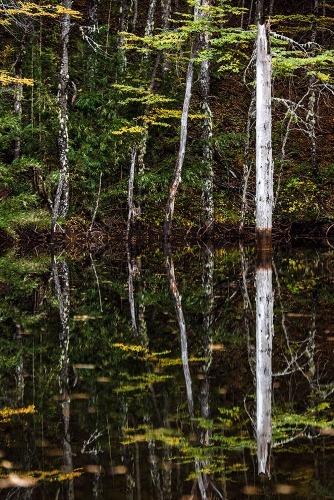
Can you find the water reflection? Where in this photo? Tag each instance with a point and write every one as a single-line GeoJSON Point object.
{"type": "Point", "coordinates": [168, 409]}
{"type": "Point", "coordinates": [264, 340]}
{"type": "Point", "coordinates": [62, 287]}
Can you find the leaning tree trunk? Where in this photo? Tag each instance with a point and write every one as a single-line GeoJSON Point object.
{"type": "Point", "coordinates": [61, 202]}
{"type": "Point", "coordinates": [264, 163]}
{"type": "Point", "coordinates": [207, 193]}
{"type": "Point", "coordinates": [182, 147]}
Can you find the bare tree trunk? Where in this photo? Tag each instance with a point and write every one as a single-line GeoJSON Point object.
{"type": "Point", "coordinates": [207, 194]}
{"type": "Point", "coordinates": [247, 164]}
{"type": "Point", "coordinates": [311, 115]}
{"type": "Point", "coordinates": [92, 28]}
{"type": "Point", "coordinates": [150, 18]}
{"type": "Point", "coordinates": [131, 206]}
{"type": "Point", "coordinates": [143, 140]}
{"type": "Point", "coordinates": [18, 95]}
{"type": "Point", "coordinates": [166, 13]}
{"type": "Point", "coordinates": [264, 335]}
{"type": "Point", "coordinates": [182, 148]}
{"type": "Point", "coordinates": [264, 163]}
{"type": "Point", "coordinates": [135, 15]}
{"type": "Point", "coordinates": [65, 22]}
{"type": "Point", "coordinates": [61, 201]}
{"type": "Point", "coordinates": [124, 23]}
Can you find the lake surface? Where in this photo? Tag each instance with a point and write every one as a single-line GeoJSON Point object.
{"type": "Point", "coordinates": [142, 376]}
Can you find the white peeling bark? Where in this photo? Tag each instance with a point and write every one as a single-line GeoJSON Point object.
{"type": "Point", "coordinates": [264, 335]}
{"type": "Point", "coordinates": [264, 163]}
{"type": "Point", "coordinates": [150, 18]}
{"type": "Point", "coordinates": [207, 193]}
{"type": "Point", "coordinates": [65, 23]}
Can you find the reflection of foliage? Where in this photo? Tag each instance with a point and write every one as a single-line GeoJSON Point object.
{"type": "Point", "coordinates": [7, 413]}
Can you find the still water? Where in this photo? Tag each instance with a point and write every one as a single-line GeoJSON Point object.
{"type": "Point", "coordinates": [175, 374]}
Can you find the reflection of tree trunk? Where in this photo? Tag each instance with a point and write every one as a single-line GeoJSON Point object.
{"type": "Point", "coordinates": [61, 282]}
{"type": "Point", "coordinates": [202, 479]}
{"type": "Point", "coordinates": [208, 302]}
{"type": "Point", "coordinates": [97, 492]}
{"type": "Point", "coordinates": [182, 326]}
{"type": "Point", "coordinates": [264, 334]}
{"type": "Point", "coordinates": [132, 271]}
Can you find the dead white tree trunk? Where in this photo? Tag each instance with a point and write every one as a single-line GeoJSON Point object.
{"type": "Point", "coordinates": [182, 147]}
{"type": "Point", "coordinates": [264, 335]}
{"type": "Point", "coordinates": [264, 163]}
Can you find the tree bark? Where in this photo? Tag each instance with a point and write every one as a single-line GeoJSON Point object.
{"type": "Point", "coordinates": [150, 18]}
{"type": "Point", "coordinates": [18, 95]}
{"type": "Point", "coordinates": [264, 164]}
{"type": "Point", "coordinates": [182, 147]}
{"type": "Point", "coordinates": [130, 189]}
{"type": "Point", "coordinates": [61, 203]}
{"type": "Point", "coordinates": [166, 13]}
{"type": "Point", "coordinates": [207, 193]}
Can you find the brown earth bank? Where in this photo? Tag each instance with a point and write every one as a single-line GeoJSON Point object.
{"type": "Point", "coordinates": [77, 237]}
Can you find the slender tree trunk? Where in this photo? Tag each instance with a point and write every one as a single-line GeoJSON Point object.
{"type": "Point", "coordinates": [124, 23]}
{"type": "Point", "coordinates": [247, 164]}
{"type": "Point", "coordinates": [18, 95]}
{"type": "Point", "coordinates": [311, 114]}
{"type": "Point", "coordinates": [150, 18]}
{"type": "Point", "coordinates": [135, 15]}
{"type": "Point", "coordinates": [130, 190]}
{"type": "Point", "coordinates": [182, 148]}
{"type": "Point", "coordinates": [61, 202]}
{"type": "Point", "coordinates": [166, 13]}
{"type": "Point", "coordinates": [92, 28]}
{"type": "Point", "coordinates": [264, 163]}
{"type": "Point", "coordinates": [264, 335]}
{"type": "Point", "coordinates": [207, 194]}
{"type": "Point", "coordinates": [143, 140]}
